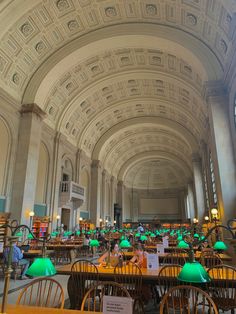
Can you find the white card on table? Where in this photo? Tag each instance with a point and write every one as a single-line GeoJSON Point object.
{"type": "Point", "coordinates": [119, 305]}
{"type": "Point", "coordinates": [160, 249]}
{"type": "Point", "coordinates": [152, 261]}
{"type": "Point", "coordinates": [165, 242]}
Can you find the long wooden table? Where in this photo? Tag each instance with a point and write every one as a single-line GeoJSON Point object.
{"type": "Point", "coordinates": [20, 309]}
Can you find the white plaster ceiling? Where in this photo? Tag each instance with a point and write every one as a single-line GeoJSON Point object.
{"type": "Point", "coordinates": [122, 80]}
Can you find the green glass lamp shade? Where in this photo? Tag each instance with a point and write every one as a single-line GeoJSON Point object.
{"type": "Point", "coordinates": [41, 267]}
{"type": "Point", "coordinates": [122, 237]}
{"type": "Point", "coordinates": [88, 232]}
{"type": "Point", "coordinates": [78, 232]}
{"type": "Point", "coordinates": [146, 233]}
{"type": "Point", "coordinates": [53, 234]}
{"type": "Point", "coordinates": [121, 230]}
{"type": "Point", "coordinates": [94, 243]}
{"type": "Point", "coordinates": [180, 238]}
{"type": "Point", "coordinates": [183, 245]}
{"type": "Point", "coordinates": [193, 272]}
{"type": "Point", "coordinates": [125, 243]}
{"type": "Point", "coordinates": [143, 238]}
{"type": "Point", "coordinates": [152, 235]}
{"type": "Point", "coordinates": [30, 236]}
{"type": "Point", "coordinates": [220, 245]}
{"type": "Point", "coordinates": [19, 234]}
{"type": "Point", "coordinates": [196, 235]}
{"type": "Point", "coordinates": [137, 235]}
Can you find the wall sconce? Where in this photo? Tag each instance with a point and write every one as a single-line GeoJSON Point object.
{"type": "Point", "coordinates": [31, 214]}
{"type": "Point", "coordinates": [195, 220]}
{"type": "Point", "coordinates": [214, 213]}
{"type": "Point", "coordinates": [206, 218]}
{"type": "Point", "coordinates": [58, 218]}
{"type": "Point", "coordinates": [114, 222]}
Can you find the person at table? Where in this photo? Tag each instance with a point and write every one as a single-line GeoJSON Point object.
{"type": "Point", "coordinates": [17, 257]}
{"type": "Point", "coordinates": [139, 255]}
{"type": "Point", "coordinates": [115, 256]}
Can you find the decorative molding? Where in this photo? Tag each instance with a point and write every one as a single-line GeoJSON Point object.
{"type": "Point", "coordinates": [32, 108]}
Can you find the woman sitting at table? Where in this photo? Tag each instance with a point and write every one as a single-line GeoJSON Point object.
{"type": "Point", "coordinates": [139, 255]}
{"type": "Point", "coordinates": [115, 257]}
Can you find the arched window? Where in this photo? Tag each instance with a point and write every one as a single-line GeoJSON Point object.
{"type": "Point", "coordinates": [235, 110]}
{"type": "Point", "coordinates": [213, 183]}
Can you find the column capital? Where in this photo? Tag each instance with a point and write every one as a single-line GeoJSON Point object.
{"type": "Point", "coordinates": [33, 108]}
{"type": "Point", "coordinates": [120, 183]}
{"type": "Point", "coordinates": [214, 90]}
{"type": "Point", "coordinates": [96, 164]}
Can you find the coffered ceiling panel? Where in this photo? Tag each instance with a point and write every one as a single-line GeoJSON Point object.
{"type": "Point", "coordinates": [123, 80]}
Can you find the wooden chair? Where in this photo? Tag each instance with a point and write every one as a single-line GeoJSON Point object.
{"type": "Point", "coordinates": [84, 274]}
{"type": "Point", "coordinates": [93, 299]}
{"type": "Point", "coordinates": [130, 276]}
{"type": "Point", "coordinates": [187, 299]}
{"type": "Point", "coordinates": [43, 292]}
{"type": "Point", "coordinates": [174, 258]}
{"type": "Point", "coordinates": [167, 278]}
{"type": "Point", "coordinates": [209, 259]}
{"type": "Point", "coordinates": [222, 287]}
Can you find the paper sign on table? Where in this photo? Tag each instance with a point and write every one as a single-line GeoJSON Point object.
{"type": "Point", "coordinates": [165, 242]}
{"type": "Point", "coordinates": [152, 261]}
{"type": "Point", "coordinates": [160, 249]}
{"type": "Point", "coordinates": [1, 247]}
{"type": "Point", "coordinates": [119, 305]}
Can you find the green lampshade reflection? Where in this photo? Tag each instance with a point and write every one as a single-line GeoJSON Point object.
{"type": "Point", "coordinates": [143, 238]}
{"type": "Point", "coordinates": [220, 245]}
{"type": "Point", "coordinates": [41, 267]}
{"type": "Point", "coordinates": [194, 272]}
{"type": "Point", "coordinates": [94, 243]}
{"type": "Point", "coordinates": [19, 234]}
{"type": "Point", "coordinates": [125, 243]}
{"type": "Point", "coordinates": [183, 245]}
{"type": "Point", "coordinates": [30, 236]}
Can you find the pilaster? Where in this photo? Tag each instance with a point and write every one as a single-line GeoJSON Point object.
{"type": "Point", "coordinates": [26, 167]}
{"type": "Point", "coordinates": [222, 148]}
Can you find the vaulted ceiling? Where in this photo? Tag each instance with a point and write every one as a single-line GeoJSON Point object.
{"type": "Point", "coordinates": [122, 80]}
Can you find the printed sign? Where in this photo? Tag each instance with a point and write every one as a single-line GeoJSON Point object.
{"type": "Point", "coordinates": [152, 261]}
{"type": "Point", "coordinates": [119, 305]}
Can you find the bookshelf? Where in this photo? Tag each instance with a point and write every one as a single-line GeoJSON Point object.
{"type": "Point", "coordinates": [4, 218]}
{"type": "Point", "coordinates": [40, 226]}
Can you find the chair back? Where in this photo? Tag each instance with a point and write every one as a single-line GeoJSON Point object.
{"type": "Point", "coordinates": [177, 258]}
{"type": "Point", "coordinates": [93, 299]}
{"type": "Point", "coordinates": [42, 292]}
{"type": "Point", "coordinates": [209, 259]}
{"type": "Point", "coordinates": [84, 274]}
{"type": "Point", "coordinates": [167, 277]}
{"type": "Point", "coordinates": [130, 276]}
{"type": "Point", "coordinates": [222, 287]}
{"type": "Point", "coordinates": [187, 299]}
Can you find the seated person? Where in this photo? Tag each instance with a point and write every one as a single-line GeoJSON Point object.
{"type": "Point", "coordinates": [139, 255]}
{"type": "Point", "coordinates": [17, 257]}
{"type": "Point", "coordinates": [115, 256]}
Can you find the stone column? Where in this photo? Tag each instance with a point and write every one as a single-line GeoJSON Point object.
{"type": "Point", "coordinates": [26, 166]}
{"type": "Point", "coordinates": [95, 196]}
{"type": "Point", "coordinates": [222, 149]}
{"type": "Point", "coordinates": [55, 203]}
{"type": "Point", "coordinates": [112, 199]}
{"type": "Point", "coordinates": [199, 187]}
{"type": "Point", "coordinates": [120, 198]}
{"type": "Point", "coordinates": [183, 195]}
{"type": "Point", "coordinates": [103, 212]}
{"type": "Point", "coordinates": [191, 206]}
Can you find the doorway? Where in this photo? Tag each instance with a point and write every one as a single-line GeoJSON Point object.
{"type": "Point", "coordinates": [65, 218]}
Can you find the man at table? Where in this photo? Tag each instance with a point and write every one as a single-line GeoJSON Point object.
{"type": "Point", "coordinates": [17, 257]}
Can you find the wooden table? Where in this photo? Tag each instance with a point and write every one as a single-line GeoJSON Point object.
{"type": "Point", "coordinates": [21, 309]}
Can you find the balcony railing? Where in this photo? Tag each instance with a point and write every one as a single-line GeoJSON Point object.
{"type": "Point", "coordinates": [70, 191]}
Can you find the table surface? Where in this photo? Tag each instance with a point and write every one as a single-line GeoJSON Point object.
{"type": "Point", "coordinates": [20, 309]}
